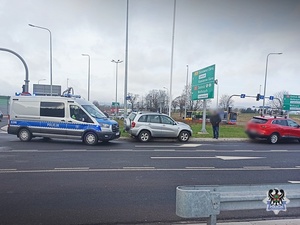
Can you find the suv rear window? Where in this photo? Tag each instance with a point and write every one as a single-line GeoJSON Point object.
{"type": "Point", "coordinates": [258, 120]}
{"type": "Point", "coordinates": [143, 118]}
{"type": "Point", "coordinates": [132, 116]}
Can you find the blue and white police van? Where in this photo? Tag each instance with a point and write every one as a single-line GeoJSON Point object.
{"type": "Point", "coordinates": [59, 117]}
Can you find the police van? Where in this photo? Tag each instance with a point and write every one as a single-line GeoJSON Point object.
{"type": "Point", "coordinates": [59, 117]}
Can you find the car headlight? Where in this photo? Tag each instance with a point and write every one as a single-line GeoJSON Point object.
{"type": "Point", "coordinates": [104, 125]}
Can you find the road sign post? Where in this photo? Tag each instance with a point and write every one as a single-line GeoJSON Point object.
{"type": "Point", "coordinates": [203, 87]}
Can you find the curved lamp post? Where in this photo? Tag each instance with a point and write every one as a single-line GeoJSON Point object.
{"type": "Point", "coordinates": [44, 28]}
{"type": "Point", "coordinates": [26, 89]}
{"type": "Point", "coordinates": [266, 73]}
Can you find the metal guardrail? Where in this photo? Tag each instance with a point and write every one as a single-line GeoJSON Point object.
{"type": "Point", "coordinates": [208, 201]}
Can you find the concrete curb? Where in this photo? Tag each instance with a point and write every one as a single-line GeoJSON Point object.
{"type": "Point", "coordinates": [195, 139]}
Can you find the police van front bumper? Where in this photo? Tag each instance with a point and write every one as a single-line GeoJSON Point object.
{"type": "Point", "coordinates": [106, 136]}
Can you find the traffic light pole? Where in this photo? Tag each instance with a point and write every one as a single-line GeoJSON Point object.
{"type": "Point", "coordinates": [246, 96]}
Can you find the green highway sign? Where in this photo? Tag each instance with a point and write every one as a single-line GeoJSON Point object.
{"type": "Point", "coordinates": [203, 83]}
{"type": "Point", "coordinates": [291, 102]}
{"type": "Point", "coordinates": [115, 104]}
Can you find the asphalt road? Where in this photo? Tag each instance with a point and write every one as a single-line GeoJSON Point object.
{"type": "Point", "coordinates": [67, 182]}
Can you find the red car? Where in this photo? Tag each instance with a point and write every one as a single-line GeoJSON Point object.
{"type": "Point", "coordinates": [273, 129]}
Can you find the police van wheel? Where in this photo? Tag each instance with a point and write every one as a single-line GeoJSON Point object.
{"type": "Point", "coordinates": [24, 135]}
{"type": "Point", "coordinates": [90, 138]}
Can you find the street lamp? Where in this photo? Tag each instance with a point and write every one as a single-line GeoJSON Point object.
{"type": "Point", "coordinates": [167, 95]}
{"type": "Point", "coordinates": [172, 58]}
{"type": "Point", "coordinates": [266, 73]}
{"type": "Point", "coordinates": [117, 63]}
{"type": "Point", "coordinates": [89, 74]}
{"type": "Point", "coordinates": [186, 90]}
{"type": "Point", "coordinates": [44, 28]}
{"type": "Point", "coordinates": [40, 80]}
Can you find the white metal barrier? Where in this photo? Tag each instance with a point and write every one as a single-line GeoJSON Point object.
{"type": "Point", "coordinates": [208, 201]}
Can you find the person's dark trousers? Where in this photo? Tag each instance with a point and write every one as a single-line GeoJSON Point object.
{"type": "Point", "coordinates": [216, 131]}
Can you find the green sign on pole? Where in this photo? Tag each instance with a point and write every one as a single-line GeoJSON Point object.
{"type": "Point", "coordinates": [115, 104]}
{"type": "Point", "coordinates": [203, 83]}
{"type": "Point", "coordinates": [291, 102]}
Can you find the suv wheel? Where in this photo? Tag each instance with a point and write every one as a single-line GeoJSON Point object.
{"type": "Point", "coordinates": [90, 138]}
{"type": "Point", "coordinates": [24, 135]}
{"type": "Point", "coordinates": [184, 136]}
{"type": "Point", "coordinates": [144, 136]}
{"type": "Point", "coordinates": [274, 138]}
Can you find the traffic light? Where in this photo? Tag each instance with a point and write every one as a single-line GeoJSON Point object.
{"type": "Point", "coordinates": [229, 109]}
{"type": "Point", "coordinates": [257, 97]}
{"type": "Point", "coordinates": [23, 88]}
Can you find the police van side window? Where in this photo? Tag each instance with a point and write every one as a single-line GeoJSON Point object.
{"type": "Point", "coordinates": [78, 114]}
{"type": "Point", "coordinates": [52, 109]}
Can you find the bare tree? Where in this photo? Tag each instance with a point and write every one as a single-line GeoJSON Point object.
{"type": "Point", "coordinates": [97, 104]}
{"type": "Point", "coordinates": [276, 104]}
{"type": "Point", "coordinates": [175, 104]}
{"type": "Point", "coordinates": [156, 100]}
{"type": "Point", "coordinates": [179, 102]}
{"type": "Point", "coordinates": [224, 103]}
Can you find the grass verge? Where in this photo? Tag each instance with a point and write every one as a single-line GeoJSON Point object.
{"type": "Point", "coordinates": [226, 131]}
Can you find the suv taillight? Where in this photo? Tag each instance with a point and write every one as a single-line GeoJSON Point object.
{"type": "Point", "coordinates": [132, 124]}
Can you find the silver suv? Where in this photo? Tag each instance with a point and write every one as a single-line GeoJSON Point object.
{"type": "Point", "coordinates": [144, 126]}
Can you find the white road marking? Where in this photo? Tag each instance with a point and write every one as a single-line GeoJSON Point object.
{"type": "Point", "coordinates": [199, 167]}
{"type": "Point", "coordinates": [199, 150]}
{"type": "Point", "coordinates": [294, 181]}
{"type": "Point", "coordinates": [181, 157]}
{"type": "Point", "coordinates": [8, 169]}
{"type": "Point", "coordinates": [29, 150]}
{"type": "Point", "coordinates": [189, 145]}
{"type": "Point", "coordinates": [257, 167]}
{"type": "Point", "coordinates": [243, 150]}
{"type": "Point", "coordinates": [164, 150]}
{"type": "Point", "coordinates": [237, 157]}
{"type": "Point", "coordinates": [278, 150]}
{"type": "Point", "coordinates": [142, 169]}
{"type": "Point", "coordinates": [213, 157]}
{"type": "Point", "coordinates": [141, 150]}
{"type": "Point", "coordinates": [73, 168]}
{"type": "Point", "coordinates": [74, 150]}
{"type": "Point", "coordinates": [138, 167]}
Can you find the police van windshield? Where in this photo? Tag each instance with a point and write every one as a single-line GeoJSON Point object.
{"type": "Point", "coordinates": [94, 111]}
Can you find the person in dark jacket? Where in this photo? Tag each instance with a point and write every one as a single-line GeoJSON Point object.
{"type": "Point", "coordinates": [215, 120]}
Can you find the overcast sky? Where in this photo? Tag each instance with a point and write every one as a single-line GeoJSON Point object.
{"type": "Point", "coordinates": [236, 35]}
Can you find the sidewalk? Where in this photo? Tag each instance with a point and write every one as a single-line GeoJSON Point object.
{"type": "Point", "coordinates": [264, 222]}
